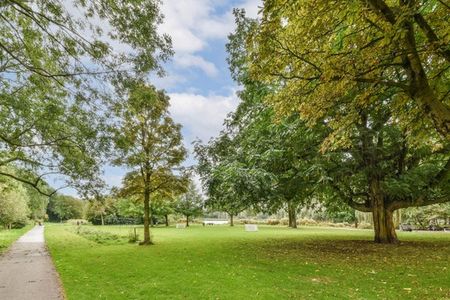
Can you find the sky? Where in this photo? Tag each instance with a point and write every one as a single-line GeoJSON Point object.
{"type": "Point", "coordinates": [198, 81]}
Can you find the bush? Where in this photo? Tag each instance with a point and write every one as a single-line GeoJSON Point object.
{"type": "Point", "coordinates": [307, 222]}
{"type": "Point", "coordinates": [20, 223]}
{"type": "Point", "coordinates": [251, 221]}
{"type": "Point", "coordinates": [273, 222]}
{"type": "Point", "coordinates": [364, 225]}
{"type": "Point", "coordinates": [247, 221]}
{"type": "Point", "coordinates": [116, 220]}
{"type": "Point", "coordinates": [284, 221]}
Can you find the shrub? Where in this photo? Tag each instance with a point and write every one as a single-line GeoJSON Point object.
{"type": "Point", "coordinates": [284, 221]}
{"type": "Point", "coordinates": [273, 222]}
{"type": "Point", "coordinates": [364, 225]}
{"type": "Point", "coordinates": [307, 222]}
{"type": "Point", "coordinates": [116, 220]}
{"type": "Point", "coordinates": [247, 221]}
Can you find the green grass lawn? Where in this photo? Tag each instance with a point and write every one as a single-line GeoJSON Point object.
{"type": "Point", "coordinates": [7, 237]}
{"type": "Point", "coordinates": [219, 262]}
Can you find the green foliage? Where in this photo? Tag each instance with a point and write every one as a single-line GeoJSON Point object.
{"type": "Point", "coordinates": [257, 161]}
{"type": "Point", "coordinates": [37, 203]}
{"type": "Point", "coordinates": [189, 204]}
{"type": "Point", "coordinates": [13, 205]}
{"type": "Point", "coordinates": [99, 207]}
{"type": "Point", "coordinates": [331, 59]}
{"type": "Point", "coordinates": [422, 217]}
{"type": "Point", "coordinates": [58, 72]}
{"type": "Point", "coordinates": [127, 207]}
{"type": "Point", "coordinates": [63, 208]}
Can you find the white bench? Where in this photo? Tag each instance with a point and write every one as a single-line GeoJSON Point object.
{"type": "Point", "coordinates": [251, 227]}
{"type": "Point", "coordinates": [181, 226]}
{"type": "Point", "coordinates": [214, 222]}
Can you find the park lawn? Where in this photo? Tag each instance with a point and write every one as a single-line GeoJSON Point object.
{"type": "Point", "coordinates": [219, 262]}
{"type": "Point", "coordinates": [7, 237]}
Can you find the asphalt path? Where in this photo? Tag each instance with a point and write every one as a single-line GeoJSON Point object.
{"type": "Point", "coordinates": [27, 271]}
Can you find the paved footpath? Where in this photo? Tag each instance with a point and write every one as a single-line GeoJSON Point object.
{"type": "Point", "coordinates": [27, 271]}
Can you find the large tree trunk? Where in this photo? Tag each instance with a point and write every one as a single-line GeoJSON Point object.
{"type": "Point", "coordinates": [187, 221]}
{"type": "Point", "coordinates": [103, 220]}
{"type": "Point", "coordinates": [231, 220]}
{"type": "Point", "coordinates": [167, 220]}
{"type": "Point", "coordinates": [147, 240]}
{"type": "Point", "coordinates": [292, 213]}
{"type": "Point", "coordinates": [383, 222]}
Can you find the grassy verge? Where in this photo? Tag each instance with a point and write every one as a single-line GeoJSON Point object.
{"type": "Point", "coordinates": [7, 237]}
{"type": "Point", "coordinates": [227, 263]}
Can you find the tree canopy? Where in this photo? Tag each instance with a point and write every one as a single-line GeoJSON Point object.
{"type": "Point", "coordinates": [333, 58]}
{"type": "Point", "coordinates": [60, 64]}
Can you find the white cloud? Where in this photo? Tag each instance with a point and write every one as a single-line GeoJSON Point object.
{"type": "Point", "coordinates": [192, 24]}
{"type": "Point", "coordinates": [168, 81]}
{"type": "Point", "coordinates": [189, 60]}
{"type": "Point", "coordinates": [252, 7]}
{"type": "Point", "coordinates": [201, 116]}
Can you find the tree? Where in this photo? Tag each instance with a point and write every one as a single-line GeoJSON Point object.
{"type": "Point", "coordinates": [149, 143]}
{"type": "Point", "coordinates": [322, 52]}
{"type": "Point", "coordinates": [189, 204]}
{"type": "Point", "coordinates": [13, 204]}
{"type": "Point", "coordinates": [37, 203]}
{"type": "Point", "coordinates": [63, 207]}
{"type": "Point", "coordinates": [381, 171]}
{"type": "Point", "coordinates": [58, 70]}
{"type": "Point", "coordinates": [100, 207]}
{"type": "Point", "coordinates": [358, 77]}
{"type": "Point", "coordinates": [163, 206]}
{"type": "Point", "coordinates": [129, 207]}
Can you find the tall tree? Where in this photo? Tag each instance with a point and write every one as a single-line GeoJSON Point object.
{"type": "Point", "coordinates": [100, 207]}
{"type": "Point", "coordinates": [13, 203]}
{"type": "Point", "coordinates": [150, 144]}
{"type": "Point", "coordinates": [381, 171]}
{"type": "Point", "coordinates": [189, 204]}
{"type": "Point", "coordinates": [379, 87]}
{"type": "Point", "coordinates": [163, 206]}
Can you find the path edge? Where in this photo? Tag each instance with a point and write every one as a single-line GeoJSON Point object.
{"type": "Point", "coordinates": [62, 291]}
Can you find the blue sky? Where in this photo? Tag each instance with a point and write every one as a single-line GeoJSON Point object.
{"type": "Point", "coordinates": [198, 80]}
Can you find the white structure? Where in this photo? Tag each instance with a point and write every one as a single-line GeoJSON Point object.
{"type": "Point", "coordinates": [251, 227]}
{"type": "Point", "coordinates": [181, 226]}
{"type": "Point", "coordinates": [214, 222]}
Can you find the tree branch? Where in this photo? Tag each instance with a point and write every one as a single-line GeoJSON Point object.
{"type": "Point", "coordinates": [431, 36]}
